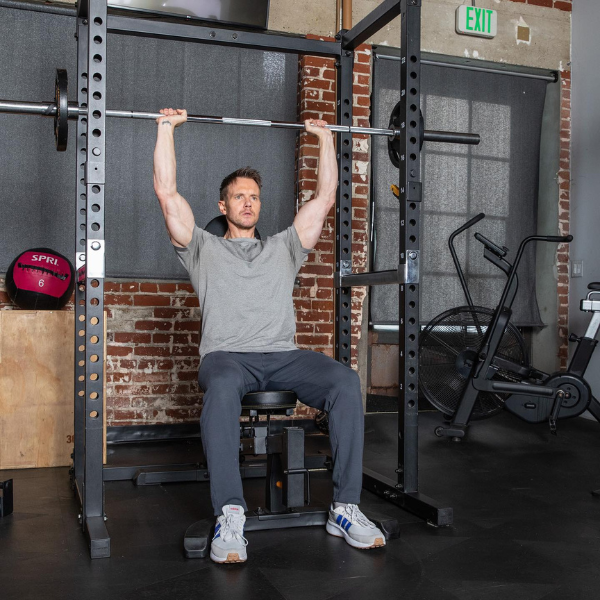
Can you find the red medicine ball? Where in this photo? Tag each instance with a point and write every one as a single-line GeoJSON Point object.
{"type": "Point", "coordinates": [40, 279]}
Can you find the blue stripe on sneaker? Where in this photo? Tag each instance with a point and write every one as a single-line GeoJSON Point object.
{"type": "Point", "coordinates": [339, 519]}
{"type": "Point", "coordinates": [348, 524]}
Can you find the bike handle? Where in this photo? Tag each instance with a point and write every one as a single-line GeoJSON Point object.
{"type": "Point", "coordinates": [490, 245]}
{"type": "Point", "coordinates": [513, 272]}
{"type": "Point", "coordinates": [557, 238]}
{"type": "Point", "coordinates": [459, 271]}
{"type": "Point", "coordinates": [468, 224]}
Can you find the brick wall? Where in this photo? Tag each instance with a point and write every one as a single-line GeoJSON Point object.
{"type": "Point", "coordinates": [152, 352]}
{"type": "Point", "coordinates": [559, 4]}
{"type": "Point", "coordinates": [314, 298]}
{"type": "Point", "coordinates": [5, 302]}
{"type": "Point", "coordinates": [564, 184]}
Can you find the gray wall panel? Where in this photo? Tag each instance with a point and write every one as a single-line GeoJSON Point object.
{"type": "Point", "coordinates": [38, 184]}
{"type": "Point", "coordinates": [498, 177]}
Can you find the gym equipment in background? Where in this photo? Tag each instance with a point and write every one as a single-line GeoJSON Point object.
{"type": "Point", "coordinates": [40, 279]}
{"type": "Point", "coordinates": [449, 343]}
{"type": "Point", "coordinates": [469, 351]}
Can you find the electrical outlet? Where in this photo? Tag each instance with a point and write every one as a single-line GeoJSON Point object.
{"type": "Point", "coordinates": [577, 268]}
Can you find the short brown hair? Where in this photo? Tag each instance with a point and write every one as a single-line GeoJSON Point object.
{"type": "Point", "coordinates": [246, 173]}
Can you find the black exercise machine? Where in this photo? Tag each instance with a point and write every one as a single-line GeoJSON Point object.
{"type": "Point", "coordinates": [473, 361]}
{"type": "Point", "coordinates": [287, 485]}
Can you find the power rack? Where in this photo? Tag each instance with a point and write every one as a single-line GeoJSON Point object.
{"type": "Point", "coordinates": [94, 23]}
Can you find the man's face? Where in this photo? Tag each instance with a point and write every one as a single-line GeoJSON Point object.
{"type": "Point", "coordinates": [242, 206]}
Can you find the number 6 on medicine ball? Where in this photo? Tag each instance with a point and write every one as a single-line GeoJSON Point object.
{"type": "Point", "coordinates": [40, 279]}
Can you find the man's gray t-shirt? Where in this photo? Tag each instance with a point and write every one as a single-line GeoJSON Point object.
{"type": "Point", "coordinates": [244, 286]}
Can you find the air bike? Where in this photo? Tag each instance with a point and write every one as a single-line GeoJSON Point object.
{"type": "Point", "coordinates": [473, 362]}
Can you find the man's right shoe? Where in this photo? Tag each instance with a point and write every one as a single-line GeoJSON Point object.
{"type": "Point", "coordinates": [350, 523]}
{"type": "Point", "coordinates": [229, 544]}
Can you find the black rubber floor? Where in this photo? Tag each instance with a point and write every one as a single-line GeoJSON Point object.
{"type": "Point", "coordinates": [525, 527]}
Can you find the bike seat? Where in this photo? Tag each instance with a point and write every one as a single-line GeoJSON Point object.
{"type": "Point", "coordinates": [595, 285]}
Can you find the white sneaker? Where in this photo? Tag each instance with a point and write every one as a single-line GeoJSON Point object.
{"type": "Point", "coordinates": [348, 522]}
{"type": "Point", "coordinates": [229, 544]}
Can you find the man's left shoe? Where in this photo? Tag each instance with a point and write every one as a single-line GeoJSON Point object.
{"type": "Point", "coordinates": [350, 523]}
{"type": "Point", "coordinates": [229, 544]}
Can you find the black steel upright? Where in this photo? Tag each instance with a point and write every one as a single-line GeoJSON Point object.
{"type": "Point", "coordinates": [343, 215]}
{"type": "Point", "coordinates": [408, 259]}
{"type": "Point", "coordinates": [91, 164]}
{"type": "Point", "coordinates": [80, 243]}
{"type": "Point", "coordinates": [404, 490]}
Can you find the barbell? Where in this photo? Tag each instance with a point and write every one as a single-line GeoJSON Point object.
{"type": "Point", "coordinates": [62, 111]}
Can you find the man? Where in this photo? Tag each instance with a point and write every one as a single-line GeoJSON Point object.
{"type": "Point", "coordinates": [247, 341]}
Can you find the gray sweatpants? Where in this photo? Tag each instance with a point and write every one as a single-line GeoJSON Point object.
{"type": "Point", "coordinates": [319, 381]}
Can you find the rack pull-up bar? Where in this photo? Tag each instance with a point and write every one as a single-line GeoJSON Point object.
{"type": "Point", "coordinates": [61, 111]}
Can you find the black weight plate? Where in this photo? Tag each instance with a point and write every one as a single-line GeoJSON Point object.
{"type": "Point", "coordinates": [61, 119]}
{"type": "Point", "coordinates": [394, 142]}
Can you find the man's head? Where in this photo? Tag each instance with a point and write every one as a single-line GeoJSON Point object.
{"type": "Point", "coordinates": [239, 197]}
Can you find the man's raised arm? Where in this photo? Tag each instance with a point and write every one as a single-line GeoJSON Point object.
{"type": "Point", "coordinates": [310, 218]}
{"type": "Point", "coordinates": [177, 212]}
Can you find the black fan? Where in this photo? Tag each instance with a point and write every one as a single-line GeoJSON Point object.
{"type": "Point", "coordinates": [447, 349]}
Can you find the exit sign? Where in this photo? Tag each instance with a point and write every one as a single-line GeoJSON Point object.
{"type": "Point", "coordinates": [471, 20]}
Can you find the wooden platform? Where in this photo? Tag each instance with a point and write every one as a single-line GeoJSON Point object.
{"type": "Point", "coordinates": [36, 388]}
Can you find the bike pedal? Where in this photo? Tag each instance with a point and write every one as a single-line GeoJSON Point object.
{"type": "Point", "coordinates": [452, 432]}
